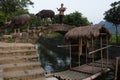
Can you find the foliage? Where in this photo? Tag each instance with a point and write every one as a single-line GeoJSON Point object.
{"type": "Point", "coordinates": [21, 11]}
{"type": "Point", "coordinates": [113, 16]}
{"type": "Point", "coordinates": [113, 40]}
{"type": "Point", "coordinates": [76, 19]}
{"type": "Point", "coordinates": [34, 21]}
{"type": "Point", "coordinates": [53, 35]}
{"type": "Point", "coordinates": [57, 19]}
{"type": "Point", "coordinates": [1, 18]}
{"type": "Point", "coordinates": [9, 7]}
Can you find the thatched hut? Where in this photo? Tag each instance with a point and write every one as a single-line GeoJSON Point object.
{"type": "Point", "coordinates": [87, 32]}
{"type": "Point", "coordinates": [87, 37]}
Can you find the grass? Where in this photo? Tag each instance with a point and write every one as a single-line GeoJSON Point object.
{"type": "Point", "coordinates": [113, 40]}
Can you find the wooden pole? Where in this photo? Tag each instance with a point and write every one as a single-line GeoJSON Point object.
{"type": "Point", "coordinates": [87, 46]}
{"type": "Point", "coordinates": [70, 56]}
{"type": "Point", "coordinates": [101, 53]}
{"type": "Point", "coordinates": [92, 50]}
{"type": "Point", "coordinates": [86, 51]}
{"type": "Point", "coordinates": [107, 52]}
{"type": "Point", "coordinates": [67, 45]}
{"type": "Point", "coordinates": [116, 69]}
{"type": "Point", "coordinates": [80, 50]}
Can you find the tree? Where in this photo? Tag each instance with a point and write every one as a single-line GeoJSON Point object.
{"type": "Point", "coordinates": [113, 16]}
{"type": "Point", "coordinates": [76, 19]}
{"type": "Point", "coordinates": [9, 7]}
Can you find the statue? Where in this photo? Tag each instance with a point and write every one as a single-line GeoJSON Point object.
{"type": "Point", "coordinates": [61, 10]}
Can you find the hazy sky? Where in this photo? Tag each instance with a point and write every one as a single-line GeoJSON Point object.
{"type": "Point", "coordinates": [92, 9]}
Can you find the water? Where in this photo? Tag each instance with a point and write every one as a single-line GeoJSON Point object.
{"type": "Point", "coordinates": [52, 61]}
{"type": "Point", "coordinates": [57, 59]}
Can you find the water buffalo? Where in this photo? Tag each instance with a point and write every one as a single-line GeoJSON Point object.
{"type": "Point", "coordinates": [44, 14]}
{"type": "Point", "coordinates": [18, 21]}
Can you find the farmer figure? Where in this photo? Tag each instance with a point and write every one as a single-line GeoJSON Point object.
{"type": "Point", "coordinates": [61, 13]}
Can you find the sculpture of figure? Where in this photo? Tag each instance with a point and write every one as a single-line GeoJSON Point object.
{"type": "Point", "coordinates": [61, 10]}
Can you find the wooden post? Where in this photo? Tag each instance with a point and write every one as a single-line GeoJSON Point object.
{"type": "Point", "coordinates": [107, 52]}
{"type": "Point", "coordinates": [101, 52]}
{"type": "Point", "coordinates": [116, 69]}
{"type": "Point", "coordinates": [87, 46]}
{"type": "Point", "coordinates": [92, 50]}
{"type": "Point", "coordinates": [80, 50]}
{"type": "Point", "coordinates": [86, 56]}
{"type": "Point", "coordinates": [70, 56]}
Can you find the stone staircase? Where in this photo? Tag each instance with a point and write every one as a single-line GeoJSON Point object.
{"type": "Point", "coordinates": [19, 61]}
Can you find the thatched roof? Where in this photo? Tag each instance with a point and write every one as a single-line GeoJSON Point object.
{"type": "Point", "coordinates": [86, 32]}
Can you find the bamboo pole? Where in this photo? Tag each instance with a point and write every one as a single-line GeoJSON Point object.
{"type": "Point", "coordinates": [67, 45]}
{"type": "Point", "coordinates": [92, 50]}
{"type": "Point", "coordinates": [70, 56]}
{"type": "Point", "coordinates": [87, 45]}
{"type": "Point", "coordinates": [80, 50]}
{"type": "Point", "coordinates": [116, 69]}
{"type": "Point", "coordinates": [99, 49]}
{"type": "Point", "coordinates": [107, 52]}
{"type": "Point", "coordinates": [101, 53]}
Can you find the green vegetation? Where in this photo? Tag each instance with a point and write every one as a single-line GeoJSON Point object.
{"type": "Point", "coordinates": [74, 19]}
{"type": "Point", "coordinates": [53, 35]}
{"type": "Point", "coordinates": [10, 40]}
{"type": "Point", "coordinates": [9, 8]}
{"type": "Point", "coordinates": [113, 40]}
{"type": "Point", "coordinates": [113, 16]}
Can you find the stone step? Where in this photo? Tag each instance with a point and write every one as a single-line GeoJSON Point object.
{"type": "Point", "coordinates": [1, 74]}
{"type": "Point", "coordinates": [24, 75]}
{"type": "Point", "coordinates": [11, 53]}
{"type": "Point", "coordinates": [18, 59]}
{"type": "Point", "coordinates": [51, 78]}
{"type": "Point", "coordinates": [41, 78]}
{"type": "Point", "coordinates": [16, 46]}
{"type": "Point", "coordinates": [20, 66]}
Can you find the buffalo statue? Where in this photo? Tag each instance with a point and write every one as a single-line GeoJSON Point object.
{"type": "Point", "coordinates": [18, 21]}
{"type": "Point", "coordinates": [45, 14]}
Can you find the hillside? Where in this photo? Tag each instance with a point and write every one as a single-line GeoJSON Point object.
{"type": "Point", "coordinates": [110, 27]}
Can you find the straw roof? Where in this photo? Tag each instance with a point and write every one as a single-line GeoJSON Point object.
{"type": "Point", "coordinates": [86, 32]}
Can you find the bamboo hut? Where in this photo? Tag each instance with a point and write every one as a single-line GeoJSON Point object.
{"type": "Point", "coordinates": [88, 37]}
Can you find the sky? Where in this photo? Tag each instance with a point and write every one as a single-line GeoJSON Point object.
{"type": "Point", "coordinates": [93, 10]}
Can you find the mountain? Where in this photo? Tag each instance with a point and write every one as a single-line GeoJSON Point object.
{"type": "Point", "coordinates": [110, 27]}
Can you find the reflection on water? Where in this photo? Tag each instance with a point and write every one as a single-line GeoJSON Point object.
{"type": "Point", "coordinates": [60, 61]}
{"type": "Point", "coordinates": [51, 61]}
